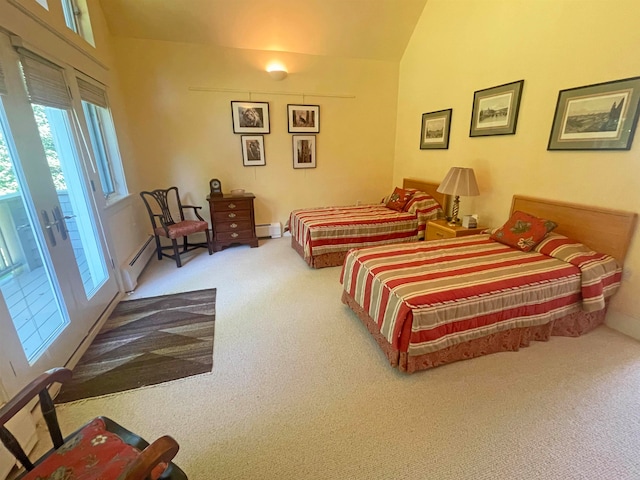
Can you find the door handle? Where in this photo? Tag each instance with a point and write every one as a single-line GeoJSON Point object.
{"type": "Point", "coordinates": [59, 222]}
{"type": "Point", "coordinates": [47, 226]}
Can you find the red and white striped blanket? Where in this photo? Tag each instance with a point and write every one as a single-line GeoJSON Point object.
{"type": "Point", "coordinates": [337, 229]}
{"type": "Point", "coordinates": [456, 290]}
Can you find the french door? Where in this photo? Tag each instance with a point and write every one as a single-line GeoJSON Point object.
{"type": "Point", "coordinates": [56, 278]}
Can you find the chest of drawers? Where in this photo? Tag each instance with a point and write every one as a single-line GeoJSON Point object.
{"type": "Point", "coordinates": [232, 220]}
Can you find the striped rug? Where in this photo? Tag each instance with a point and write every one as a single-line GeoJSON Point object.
{"type": "Point", "coordinates": [145, 342]}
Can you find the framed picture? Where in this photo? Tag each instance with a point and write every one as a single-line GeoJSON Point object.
{"type": "Point", "coordinates": [304, 118]}
{"type": "Point", "coordinates": [253, 150]}
{"type": "Point", "coordinates": [435, 129]}
{"type": "Point", "coordinates": [304, 151]}
{"type": "Point", "coordinates": [602, 116]}
{"type": "Point", "coordinates": [495, 110]}
{"type": "Point", "coordinates": [250, 117]}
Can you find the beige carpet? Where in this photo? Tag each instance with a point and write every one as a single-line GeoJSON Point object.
{"type": "Point", "coordinates": [299, 390]}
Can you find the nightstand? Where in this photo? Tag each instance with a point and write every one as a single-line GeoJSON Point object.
{"type": "Point", "coordinates": [439, 229]}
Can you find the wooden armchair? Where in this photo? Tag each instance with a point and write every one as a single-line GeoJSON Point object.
{"type": "Point", "coordinates": [101, 449]}
{"type": "Point", "coordinates": [160, 204]}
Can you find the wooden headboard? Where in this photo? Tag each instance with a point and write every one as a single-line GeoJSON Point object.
{"type": "Point", "coordinates": [603, 230]}
{"type": "Point", "coordinates": [427, 187]}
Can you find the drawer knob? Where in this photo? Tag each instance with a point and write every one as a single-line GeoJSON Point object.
{"type": "Point", "coordinates": [234, 235]}
{"type": "Point", "coordinates": [234, 225]}
{"type": "Point", "coordinates": [232, 215]}
{"type": "Point", "coordinates": [232, 205]}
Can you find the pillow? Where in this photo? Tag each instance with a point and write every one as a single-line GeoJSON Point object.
{"type": "Point", "coordinates": [398, 199]}
{"type": "Point", "coordinates": [523, 231]}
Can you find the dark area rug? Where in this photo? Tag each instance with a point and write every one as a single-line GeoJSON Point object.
{"type": "Point", "coordinates": [145, 342]}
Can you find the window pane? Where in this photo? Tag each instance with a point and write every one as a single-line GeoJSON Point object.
{"type": "Point", "coordinates": [99, 149]}
{"type": "Point", "coordinates": [69, 16]}
{"type": "Point", "coordinates": [105, 148]}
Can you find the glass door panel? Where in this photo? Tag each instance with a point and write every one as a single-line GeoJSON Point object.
{"type": "Point", "coordinates": [28, 287]}
{"type": "Point", "coordinates": [75, 221]}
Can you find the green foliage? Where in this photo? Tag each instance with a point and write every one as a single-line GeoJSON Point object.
{"type": "Point", "coordinates": [40, 114]}
{"type": "Point", "coordinates": [8, 181]}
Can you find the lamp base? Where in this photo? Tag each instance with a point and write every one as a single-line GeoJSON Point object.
{"type": "Point", "coordinates": [454, 212]}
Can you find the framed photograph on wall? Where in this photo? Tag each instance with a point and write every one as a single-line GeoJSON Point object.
{"type": "Point", "coordinates": [250, 117]}
{"type": "Point", "coordinates": [434, 133]}
{"type": "Point", "coordinates": [495, 110]}
{"type": "Point", "coordinates": [253, 150]}
{"type": "Point", "coordinates": [304, 118]}
{"type": "Point", "coordinates": [602, 116]}
{"type": "Point", "coordinates": [304, 151]}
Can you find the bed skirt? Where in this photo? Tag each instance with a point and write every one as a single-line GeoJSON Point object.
{"type": "Point", "coordinates": [574, 324]}
{"type": "Point", "coordinates": [333, 259]}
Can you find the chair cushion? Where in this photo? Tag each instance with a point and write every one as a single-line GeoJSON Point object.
{"type": "Point", "coordinates": [184, 228]}
{"type": "Point", "coordinates": [92, 453]}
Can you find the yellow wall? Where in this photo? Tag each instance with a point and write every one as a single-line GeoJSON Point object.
{"type": "Point", "coordinates": [184, 137]}
{"type": "Point", "coordinates": [462, 46]}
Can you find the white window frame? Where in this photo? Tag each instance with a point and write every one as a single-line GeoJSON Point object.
{"type": "Point", "coordinates": [107, 160]}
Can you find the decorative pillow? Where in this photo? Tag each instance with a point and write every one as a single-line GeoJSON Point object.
{"type": "Point", "coordinates": [398, 199]}
{"type": "Point", "coordinates": [523, 231]}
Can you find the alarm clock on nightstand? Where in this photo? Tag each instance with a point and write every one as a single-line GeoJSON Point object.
{"type": "Point", "coordinates": [216, 187]}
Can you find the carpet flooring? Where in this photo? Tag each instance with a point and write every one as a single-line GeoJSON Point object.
{"type": "Point", "coordinates": [146, 342]}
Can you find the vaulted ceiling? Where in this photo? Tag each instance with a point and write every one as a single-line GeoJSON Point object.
{"type": "Point", "coordinates": [373, 29]}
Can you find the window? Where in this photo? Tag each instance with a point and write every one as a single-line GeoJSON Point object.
{"type": "Point", "coordinates": [71, 15]}
{"type": "Point", "coordinates": [103, 139]}
{"type": "Point", "coordinates": [76, 17]}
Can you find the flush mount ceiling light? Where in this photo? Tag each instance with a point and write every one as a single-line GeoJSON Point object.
{"type": "Point", "coordinates": [277, 71]}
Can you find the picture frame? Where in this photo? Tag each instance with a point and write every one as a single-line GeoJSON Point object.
{"type": "Point", "coordinates": [253, 150]}
{"type": "Point", "coordinates": [250, 117]}
{"type": "Point", "coordinates": [436, 126]}
{"type": "Point", "coordinates": [303, 118]}
{"type": "Point", "coordinates": [304, 151]}
{"type": "Point", "coordinates": [495, 110]}
{"type": "Point", "coordinates": [602, 116]}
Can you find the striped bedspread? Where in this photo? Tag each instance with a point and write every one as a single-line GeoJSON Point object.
{"type": "Point", "coordinates": [337, 229]}
{"type": "Point", "coordinates": [455, 290]}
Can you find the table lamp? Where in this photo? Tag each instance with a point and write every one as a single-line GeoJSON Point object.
{"type": "Point", "coordinates": [459, 181]}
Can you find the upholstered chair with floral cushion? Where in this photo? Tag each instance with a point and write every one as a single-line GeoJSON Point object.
{"type": "Point", "coordinates": [101, 449]}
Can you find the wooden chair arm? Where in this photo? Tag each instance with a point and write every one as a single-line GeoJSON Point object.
{"type": "Point", "coordinates": [25, 395]}
{"type": "Point", "coordinates": [195, 210]}
{"type": "Point", "coordinates": [161, 450]}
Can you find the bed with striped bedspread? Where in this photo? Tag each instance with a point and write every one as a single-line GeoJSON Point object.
{"type": "Point", "coordinates": [425, 298]}
{"type": "Point", "coordinates": [323, 235]}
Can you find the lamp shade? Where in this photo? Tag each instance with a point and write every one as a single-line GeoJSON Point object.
{"type": "Point", "coordinates": [460, 181]}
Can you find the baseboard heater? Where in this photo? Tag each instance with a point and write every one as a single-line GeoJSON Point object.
{"type": "Point", "coordinates": [133, 267]}
{"type": "Point", "coordinates": [269, 230]}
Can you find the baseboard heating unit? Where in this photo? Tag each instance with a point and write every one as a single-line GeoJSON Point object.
{"type": "Point", "coordinates": [269, 230]}
{"type": "Point", "coordinates": [131, 270]}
